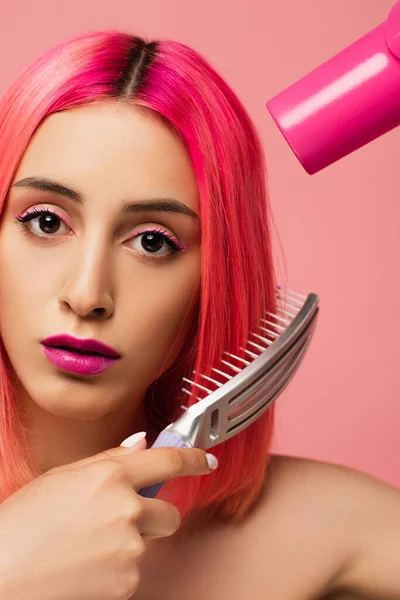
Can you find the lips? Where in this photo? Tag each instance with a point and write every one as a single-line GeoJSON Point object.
{"type": "Point", "coordinates": [79, 356]}
{"type": "Point", "coordinates": [82, 346]}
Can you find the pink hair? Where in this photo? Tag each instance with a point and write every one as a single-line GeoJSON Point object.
{"type": "Point", "coordinates": [237, 278]}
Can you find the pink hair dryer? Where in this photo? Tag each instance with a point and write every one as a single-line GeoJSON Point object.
{"type": "Point", "coordinates": [345, 103]}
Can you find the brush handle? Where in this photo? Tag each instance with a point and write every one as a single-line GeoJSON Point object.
{"type": "Point", "coordinates": [164, 439]}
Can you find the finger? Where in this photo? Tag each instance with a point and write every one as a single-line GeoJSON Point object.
{"type": "Point", "coordinates": [164, 463]}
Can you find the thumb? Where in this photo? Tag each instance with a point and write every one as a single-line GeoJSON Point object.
{"type": "Point", "coordinates": [131, 444]}
{"type": "Point", "coordinates": [137, 441]}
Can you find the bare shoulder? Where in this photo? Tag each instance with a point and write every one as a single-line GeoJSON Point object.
{"type": "Point", "coordinates": [298, 528]}
{"type": "Point", "coordinates": [328, 480]}
{"type": "Point", "coordinates": [341, 526]}
{"type": "Point", "coordinates": [318, 531]}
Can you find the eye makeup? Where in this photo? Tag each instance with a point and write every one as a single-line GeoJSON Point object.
{"type": "Point", "coordinates": [152, 233]}
{"type": "Point", "coordinates": [33, 212]}
{"type": "Point", "coordinates": [171, 239]}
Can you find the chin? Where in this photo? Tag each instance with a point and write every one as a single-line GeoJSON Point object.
{"type": "Point", "coordinates": [67, 397]}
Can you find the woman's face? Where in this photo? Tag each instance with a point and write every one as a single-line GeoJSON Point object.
{"type": "Point", "coordinates": [80, 262]}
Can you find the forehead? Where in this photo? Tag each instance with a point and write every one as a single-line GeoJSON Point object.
{"type": "Point", "coordinates": [111, 146]}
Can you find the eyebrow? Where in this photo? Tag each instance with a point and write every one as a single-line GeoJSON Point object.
{"type": "Point", "coordinates": [157, 204]}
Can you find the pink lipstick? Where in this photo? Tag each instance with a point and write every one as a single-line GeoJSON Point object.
{"type": "Point", "coordinates": [77, 355]}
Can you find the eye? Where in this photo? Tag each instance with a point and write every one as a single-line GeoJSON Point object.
{"type": "Point", "coordinates": [42, 222]}
{"type": "Point", "coordinates": [156, 242]}
{"type": "Point", "coordinates": [151, 242]}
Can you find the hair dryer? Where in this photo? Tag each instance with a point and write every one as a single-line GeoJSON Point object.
{"type": "Point", "coordinates": [346, 102]}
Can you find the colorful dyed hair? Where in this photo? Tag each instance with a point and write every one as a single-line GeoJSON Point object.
{"type": "Point", "coordinates": [237, 275]}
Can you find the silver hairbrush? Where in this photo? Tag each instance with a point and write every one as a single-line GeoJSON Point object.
{"type": "Point", "coordinates": [239, 393]}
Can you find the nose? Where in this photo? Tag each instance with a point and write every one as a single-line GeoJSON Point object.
{"type": "Point", "coordinates": [86, 290]}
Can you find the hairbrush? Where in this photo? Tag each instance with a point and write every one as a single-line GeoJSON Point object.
{"type": "Point", "coordinates": [243, 388]}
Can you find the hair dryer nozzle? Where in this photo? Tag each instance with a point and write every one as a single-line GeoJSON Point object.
{"type": "Point", "coordinates": [346, 102]}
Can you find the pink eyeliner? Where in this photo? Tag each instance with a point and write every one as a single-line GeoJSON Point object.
{"type": "Point", "coordinates": [38, 211]}
{"type": "Point", "coordinates": [164, 233]}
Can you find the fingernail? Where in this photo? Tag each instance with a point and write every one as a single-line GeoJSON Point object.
{"type": "Point", "coordinates": [212, 461]}
{"type": "Point", "coordinates": [134, 439]}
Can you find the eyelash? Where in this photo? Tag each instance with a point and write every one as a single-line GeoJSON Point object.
{"type": "Point", "coordinates": [167, 237]}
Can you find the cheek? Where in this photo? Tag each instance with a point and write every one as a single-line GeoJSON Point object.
{"type": "Point", "coordinates": [28, 281]}
{"type": "Point", "coordinates": [166, 306]}
{"type": "Point", "coordinates": [23, 281]}
{"type": "Point", "coordinates": [12, 281]}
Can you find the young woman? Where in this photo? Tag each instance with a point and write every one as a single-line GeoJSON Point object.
{"type": "Point", "coordinates": [134, 248]}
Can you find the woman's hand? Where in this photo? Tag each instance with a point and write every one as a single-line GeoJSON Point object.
{"type": "Point", "coordinates": [76, 532]}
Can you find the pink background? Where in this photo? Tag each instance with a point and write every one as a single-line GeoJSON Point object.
{"type": "Point", "coordinates": [339, 229]}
